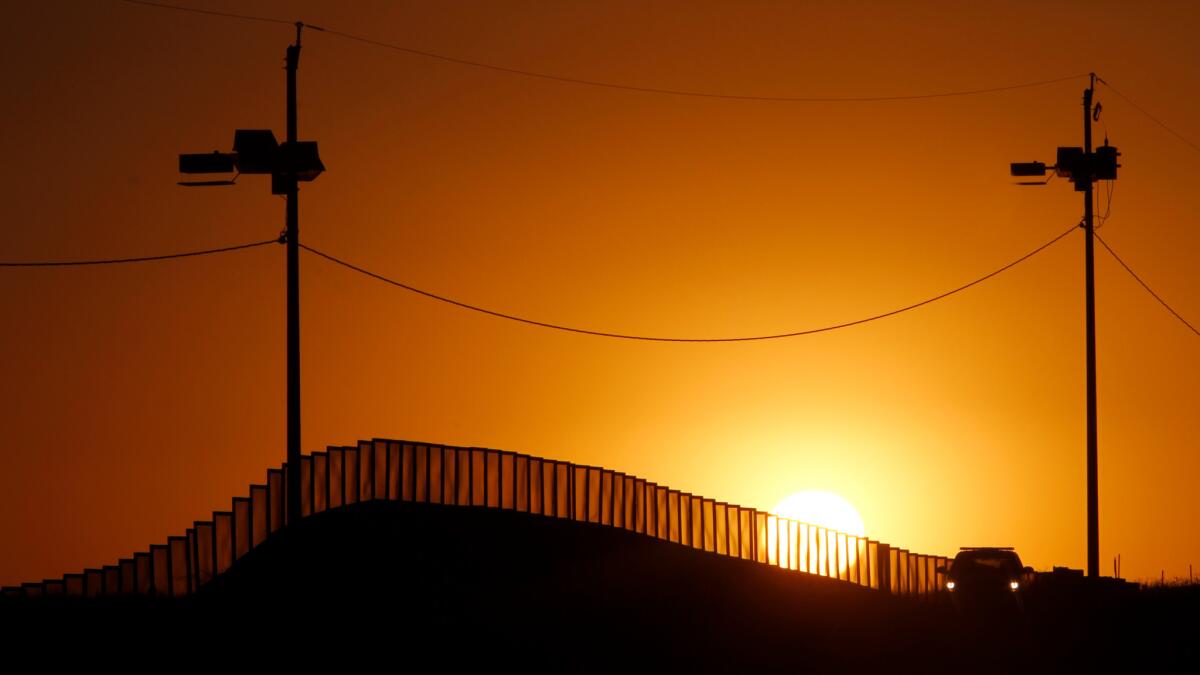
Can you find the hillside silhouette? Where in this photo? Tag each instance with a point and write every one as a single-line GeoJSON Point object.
{"type": "Point", "coordinates": [465, 585]}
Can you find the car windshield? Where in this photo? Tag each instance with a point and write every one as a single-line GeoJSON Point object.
{"type": "Point", "coordinates": [996, 562]}
{"type": "Point", "coordinates": [994, 559]}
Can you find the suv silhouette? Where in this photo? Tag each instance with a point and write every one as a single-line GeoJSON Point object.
{"type": "Point", "coordinates": [987, 577]}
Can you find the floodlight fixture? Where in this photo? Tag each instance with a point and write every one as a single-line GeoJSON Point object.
{"type": "Point", "coordinates": [1027, 169]}
{"type": "Point", "coordinates": [1075, 164]}
{"type": "Point", "coordinates": [255, 150]}
{"type": "Point", "coordinates": [1071, 163]}
{"type": "Point", "coordinates": [300, 159]}
{"type": "Point", "coordinates": [207, 162]}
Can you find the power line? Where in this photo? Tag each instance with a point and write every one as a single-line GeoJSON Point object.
{"type": "Point", "coordinates": [617, 85]}
{"type": "Point", "coordinates": [1109, 189]}
{"type": "Point", "coordinates": [1144, 285]}
{"type": "Point", "coordinates": [624, 336]}
{"type": "Point", "coordinates": [693, 93]}
{"type": "Point", "coordinates": [196, 10]}
{"type": "Point", "coordinates": [1145, 112]}
{"type": "Point", "coordinates": [117, 261]}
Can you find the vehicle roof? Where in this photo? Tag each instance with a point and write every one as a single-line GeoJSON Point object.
{"type": "Point", "coordinates": [985, 548]}
{"type": "Point", "coordinates": [978, 552]}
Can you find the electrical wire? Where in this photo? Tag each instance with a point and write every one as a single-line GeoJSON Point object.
{"type": "Point", "coordinates": [1143, 283]}
{"type": "Point", "coordinates": [695, 93]}
{"type": "Point", "coordinates": [1109, 185]}
{"type": "Point", "coordinates": [117, 261]}
{"type": "Point", "coordinates": [649, 338]}
{"type": "Point", "coordinates": [1109, 189]}
{"type": "Point", "coordinates": [616, 85]}
{"type": "Point", "coordinates": [196, 10]}
{"type": "Point", "coordinates": [1152, 118]}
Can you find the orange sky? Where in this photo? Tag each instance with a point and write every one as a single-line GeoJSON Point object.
{"type": "Point", "coordinates": [139, 398]}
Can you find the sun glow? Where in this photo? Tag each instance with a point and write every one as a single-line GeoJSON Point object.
{"type": "Point", "coordinates": [816, 531]}
{"type": "Point", "coordinates": [825, 509]}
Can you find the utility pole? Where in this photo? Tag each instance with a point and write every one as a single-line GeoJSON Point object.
{"type": "Point", "coordinates": [293, 294]}
{"type": "Point", "coordinates": [255, 151]}
{"type": "Point", "coordinates": [1084, 168]}
{"type": "Point", "coordinates": [1093, 498]}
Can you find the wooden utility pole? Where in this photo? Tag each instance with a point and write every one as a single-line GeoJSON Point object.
{"type": "Point", "coordinates": [293, 295]}
{"type": "Point", "coordinates": [1084, 167]}
{"type": "Point", "coordinates": [255, 151]}
{"type": "Point", "coordinates": [1093, 497]}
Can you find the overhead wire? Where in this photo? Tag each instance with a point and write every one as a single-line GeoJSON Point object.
{"type": "Point", "coordinates": [1110, 188]}
{"type": "Point", "coordinates": [1104, 195]}
{"type": "Point", "coordinates": [210, 12]}
{"type": "Point", "coordinates": [120, 261]}
{"type": "Point", "coordinates": [1149, 116]}
{"type": "Point", "coordinates": [1144, 285]}
{"type": "Point", "coordinates": [652, 338]}
{"type": "Point", "coordinates": [543, 324]}
{"type": "Point", "coordinates": [696, 93]}
{"type": "Point", "coordinates": [617, 85]}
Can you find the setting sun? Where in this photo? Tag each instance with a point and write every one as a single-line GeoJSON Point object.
{"type": "Point", "coordinates": [824, 509]}
{"type": "Point", "coordinates": [815, 531]}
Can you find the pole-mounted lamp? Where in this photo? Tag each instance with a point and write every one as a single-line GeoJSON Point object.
{"type": "Point", "coordinates": [1083, 167]}
{"type": "Point", "coordinates": [255, 151]}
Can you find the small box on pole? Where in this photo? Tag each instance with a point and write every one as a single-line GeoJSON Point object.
{"type": "Point", "coordinates": [256, 150]}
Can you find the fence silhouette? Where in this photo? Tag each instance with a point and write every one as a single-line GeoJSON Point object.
{"type": "Point", "coordinates": [478, 477]}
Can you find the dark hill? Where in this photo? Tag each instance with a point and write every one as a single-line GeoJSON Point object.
{"type": "Point", "coordinates": [451, 587]}
{"type": "Point", "coordinates": [592, 593]}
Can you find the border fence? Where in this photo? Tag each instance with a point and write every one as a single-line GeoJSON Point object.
{"type": "Point", "coordinates": [477, 477]}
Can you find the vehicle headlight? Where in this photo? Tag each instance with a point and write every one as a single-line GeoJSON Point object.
{"type": "Point", "coordinates": [1014, 585]}
{"type": "Point", "coordinates": [949, 585]}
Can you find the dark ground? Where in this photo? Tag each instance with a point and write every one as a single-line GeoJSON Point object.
{"type": "Point", "coordinates": [445, 589]}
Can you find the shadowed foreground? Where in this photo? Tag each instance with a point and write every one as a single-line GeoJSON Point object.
{"type": "Point", "coordinates": [462, 585]}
